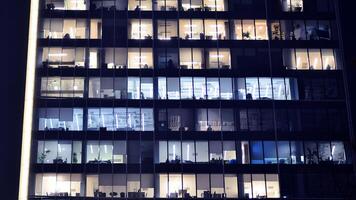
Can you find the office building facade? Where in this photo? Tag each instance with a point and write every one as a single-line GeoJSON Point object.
{"type": "Point", "coordinates": [210, 99]}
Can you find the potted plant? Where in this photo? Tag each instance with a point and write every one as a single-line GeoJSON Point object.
{"type": "Point", "coordinates": [298, 7]}
{"type": "Point", "coordinates": [246, 35]}
{"type": "Point", "coordinates": [43, 156]}
{"type": "Point", "coordinates": [207, 8]}
{"type": "Point", "coordinates": [75, 158]}
{"type": "Point", "coordinates": [276, 32]}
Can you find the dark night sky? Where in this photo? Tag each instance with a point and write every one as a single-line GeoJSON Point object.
{"type": "Point", "coordinates": [14, 18]}
{"type": "Point", "coordinates": [14, 15]}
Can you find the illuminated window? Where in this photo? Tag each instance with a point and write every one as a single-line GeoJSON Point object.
{"type": "Point", "coordinates": [51, 184]}
{"type": "Point", "coordinates": [120, 119]}
{"type": "Point", "coordinates": [66, 4]}
{"type": "Point", "coordinates": [192, 5]}
{"type": "Point", "coordinates": [231, 187]}
{"type": "Point", "coordinates": [272, 185]}
{"type": "Point", "coordinates": [167, 29]}
{"type": "Point", "coordinates": [259, 187]}
{"type": "Point", "coordinates": [62, 87]}
{"type": "Point", "coordinates": [165, 5]}
{"type": "Point", "coordinates": [186, 88]}
{"type": "Point", "coordinates": [95, 29]}
{"type": "Point", "coordinates": [248, 30]}
{"type": "Point", "coordinates": [191, 29]}
{"type": "Point", "coordinates": [191, 58]}
{"type": "Point", "coordinates": [138, 5]}
{"type": "Point", "coordinates": [140, 58]}
{"type": "Point", "coordinates": [199, 88]}
{"type": "Point", "coordinates": [218, 58]}
{"type": "Point", "coordinates": [261, 30]}
{"type": "Point", "coordinates": [292, 5]}
{"type": "Point", "coordinates": [188, 152]}
{"type": "Point", "coordinates": [140, 29]}
{"type": "Point", "coordinates": [63, 57]}
{"type": "Point", "coordinates": [215, 5]}
{"type": "Point", "coordinates": [116, 58]}
{"type": "Point", "coordinates": [216, 29]}
{"type": "Point", "coordinates": [54, 119]}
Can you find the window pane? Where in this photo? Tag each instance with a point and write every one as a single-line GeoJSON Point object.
{"type": "Point", "coordinates": [173, 88]}
{"type": "Point", "coordinates": [245, 152]}
{"type": "Point", "coordinates": [186, 88]}
{"type": "Point", "coordinates": [311, 152]}
{"type": "Point", "coordinates": [252, 89]}
{"type": "Point", "coordinates": [270, 152]}
{"type": "Point", "coordinates": [214, 120]}
{"type": "Point", "coordinates": [217, 185]}
{"type": "Point", "coordinates": [162, 88]}
{"type": "Point", "coordinates": [279, 90]}
{"type": "Point", "coordinates": [227, 120]}
{"type": "Point", "coordinates": [259, 187]}
{"type": "Point", "coordinates": [106, 149]}
{"type": "Point", "coordinates": [167, 29]}
{"type": "Point", "coordinates": [328, 59]}
{"type": "Point", "coordinates": [338, 152]}
{"type": "Point", "coordinates": [133, 119]}
{"type": "Point", "coordinates": [188, 152]}
{"type": "Point", "coordinates": [199, 88]}
{"type": "Point", "coordinates": [283, 152]}
{"type": "Point", "coordinates": [175, 185]}
{"type": "Point", "coordinates": [174, 151]}
{"type": "Point", "coordinates": [231, 188]}
{"type": "Point", "coordinates": [201, 152]}
{"type": "Point", "coordinates": [315, 59]}
{"type": "Point", "coordinates": [261, 30]}
{"type": "Point", "coordinates": [272, 185]}
{"type": "Point", "coordinates": [93, 150]}
{"type": "Point", "coordinates": [229, 152]}
{"type": "Point", "coordinates": [324, 151]}
{"type": "Point", "coordinates": [226, 88]}
{"type": "Point", "coordinates": [147, 121]}
{"type": "Point", "coordinates": [133, 88]}
{"type": "Point", "coordinates": [256, 152]}
{"type": "Point", "coordinates": [119, 152]}
{"type": "Point", "coordinates": [189, 186]}
{"type": "Point", "coordinates": [140, 29]}
{"type": "Point", "coordinates": [237, 29]}
{"type": "Point", "coordinates": [265, 86]}
{"type": "Point", "coordinates": [302, 59]}
{"type": "Point", "coordinates": [297, 152]}
{"type": "Point", "coordinates": [146, 88]}
{"type": "Point", "coordinates": [248, 30]}
{"type": "Point", "coordinates": [247, 188]}
{"type": "Point", "coordinates": [64, 152]}
{"type": "Point", "coordinates": [213, 88]}
{"type": "Point", "coordinates": [163, 151]}
{"type": "Point", "coordinates": [203, 186]}
{"type": "Point", "coordinates": [215, 150]}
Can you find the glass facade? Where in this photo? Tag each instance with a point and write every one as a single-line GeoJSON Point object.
{"type": "Point", "coordinates": [209, 99]}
